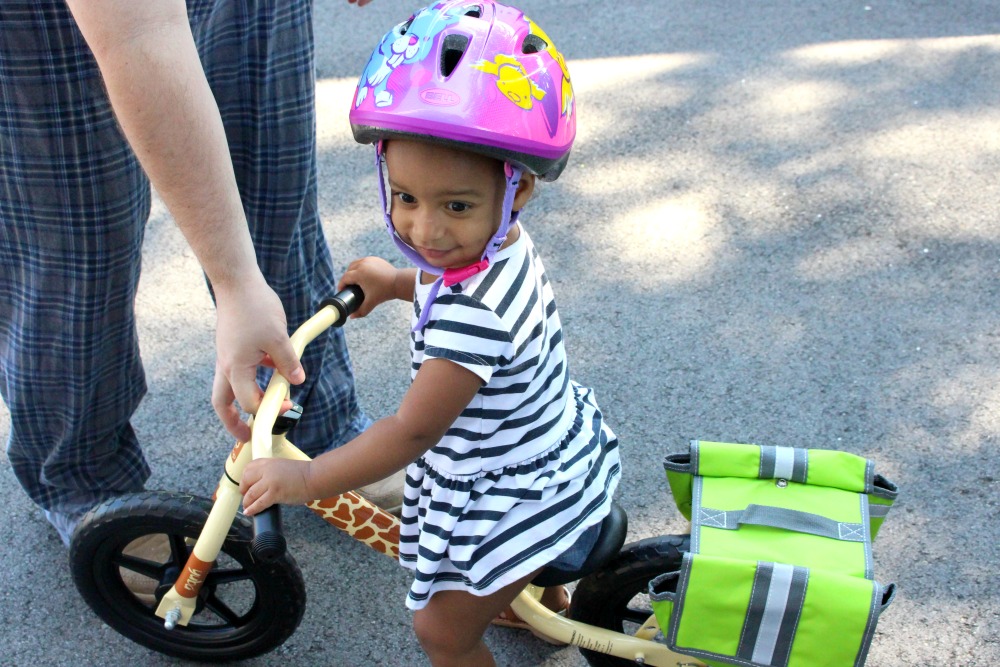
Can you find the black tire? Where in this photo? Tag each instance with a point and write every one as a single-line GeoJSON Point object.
{"type": "Point", "coordinates": [246, 607]}
{"type": "Point", "coordinates": [615, 597]}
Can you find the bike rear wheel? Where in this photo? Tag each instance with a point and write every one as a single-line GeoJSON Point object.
{"type": "Point", "coordinates": [615, 597]}
{"type": "Point", "coordinates": [245, 608]}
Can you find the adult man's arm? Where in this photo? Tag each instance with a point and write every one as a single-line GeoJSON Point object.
{"type": "Point", "coordinates": [162, 100]}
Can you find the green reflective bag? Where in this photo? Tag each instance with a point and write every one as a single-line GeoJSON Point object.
{"type": "Point", "coordinates": [780, 558]}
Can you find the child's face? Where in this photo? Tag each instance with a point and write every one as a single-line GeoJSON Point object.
{"type": "Point", "coordinates": [446, 203]}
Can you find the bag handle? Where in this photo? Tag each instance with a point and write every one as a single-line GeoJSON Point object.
{"type": "Point", "coordinates": [784, 519]}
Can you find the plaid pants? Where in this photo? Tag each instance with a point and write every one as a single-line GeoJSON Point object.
{"type": "Point", "coordinates": [73, 207]}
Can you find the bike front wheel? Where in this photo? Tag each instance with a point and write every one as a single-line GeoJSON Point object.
{"type": "Point", "coordinates": [616, 596]}
{"type": "Point", "coordinates": [128, 552]}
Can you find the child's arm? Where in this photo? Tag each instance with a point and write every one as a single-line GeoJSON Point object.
{"type": "Point", "coordinates": [438, 395]}
{"type": "Point", "coordinates": [380, 281]}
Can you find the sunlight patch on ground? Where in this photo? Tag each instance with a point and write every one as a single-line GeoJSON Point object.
{"type": "Point", "coordinates": [615, 92]}
{"type": "Point", "coordinates": [792, 98]}
{"type": "Point", "coordinates": [600, 76]}
{"type": "Point", "coordinates": [962, 135]}
{"type": "Point", "coordinates": [784, 111]}
{"type": "Point", "coordinates": [614, 177]}
{"type": "Point", "coordinates": [851, 52]}
{"type": "Point", "coordinates": [333, 103]}
{"type": "Point", "coordinates": [665, 240]}
{"type": "Point", "coordinates": [858, 52]}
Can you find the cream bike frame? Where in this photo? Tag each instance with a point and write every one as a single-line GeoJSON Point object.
{"type": "Point", "coordinates": [363, 521]}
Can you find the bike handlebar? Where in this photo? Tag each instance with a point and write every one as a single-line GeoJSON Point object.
{"type": "Point", "coordinates": [268, 542]}
{"type": "Point", "coordinates": [345, 302]}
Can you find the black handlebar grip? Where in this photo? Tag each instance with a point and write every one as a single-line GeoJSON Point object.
{"type": "Point", "coordinates": [346, 301]}
{"type": "Point", "coordinates": [268, 542]}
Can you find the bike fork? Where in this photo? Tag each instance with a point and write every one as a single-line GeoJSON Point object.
{"type": "Point", "coordinates": [179, 603]}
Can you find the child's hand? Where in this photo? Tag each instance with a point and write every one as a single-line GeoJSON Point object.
{"type": "Point", "coordinates": [267, 482]}
{"type": "Point", "coordinates": [376, 278]}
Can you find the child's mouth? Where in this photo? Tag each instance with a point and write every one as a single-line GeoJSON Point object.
{"type": "Point", "coordinates": [431, 253]}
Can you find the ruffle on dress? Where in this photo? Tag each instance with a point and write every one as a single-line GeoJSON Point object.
{"type": "Point", "coordinates": [479, 533]}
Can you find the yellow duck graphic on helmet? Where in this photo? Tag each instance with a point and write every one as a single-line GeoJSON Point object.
{"type": "Point", "coordinates": [567, 86]}
{"type": "Point", "coordinates": [512, 80]}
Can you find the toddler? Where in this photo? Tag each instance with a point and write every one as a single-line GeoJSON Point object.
{"type": "Point", "coordinates": [509, 464]}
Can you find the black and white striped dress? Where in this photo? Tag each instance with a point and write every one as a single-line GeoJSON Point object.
{"type": "Point", "coordinates": [529, 465]}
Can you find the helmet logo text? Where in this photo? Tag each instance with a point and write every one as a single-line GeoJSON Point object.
{"type": "Point", "coordinates": [440, 97]}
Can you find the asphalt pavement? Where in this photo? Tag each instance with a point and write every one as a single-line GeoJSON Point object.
{"type": "Point", "coordinates": [778, 226]}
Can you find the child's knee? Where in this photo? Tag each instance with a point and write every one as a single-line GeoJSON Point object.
{"type": "Point", "coordinates": [437, 635]}
{"type": "Point", "coordinates": [431, 631]}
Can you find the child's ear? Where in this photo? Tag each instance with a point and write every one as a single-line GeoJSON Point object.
{"type": "Point", "coordinates": [525, 188]}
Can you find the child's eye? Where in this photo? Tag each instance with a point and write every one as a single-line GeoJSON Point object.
{"type": "Point", "coordinates": [457, 206]}
{"type": "Point", "coordinates": [405, 197]}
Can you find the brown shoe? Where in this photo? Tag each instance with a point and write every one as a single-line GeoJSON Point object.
{"type": "Point", "coordinates": [154, 548]}
{"type": "Point", "coordinates": [556, 599]}
{"type": "Point", "coordinates": [387, 493]}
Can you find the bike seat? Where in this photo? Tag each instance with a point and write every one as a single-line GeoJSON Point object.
{"type": "Point", "coordinates": [609, 543]}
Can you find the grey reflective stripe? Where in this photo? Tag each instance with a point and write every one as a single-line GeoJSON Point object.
{"type": "Point", "coordinates": [767, 456]}
{"type": "Point", "coordinates": [696, 517]}
{"type": "Point", "coordinates": [773, 613]}
{"type": "Point", "coordinates": [866, 521]}
{"type": "Point", "coordinates": [755, 611]}
{"type": "Point", "coordinates": [786, 519]}
{"type": "Point", "coordinates": [695, 456]}
{"type": "Point", "coordinates": [877, 511]}
{"type": "Point", "coordinates": [783, 463]}
{"type": "Point", "coordinates": [801, 469]}
{"type": "Point", "coordinates": [869, 475]}
{"type": "Point", "coordinates": [882, 597]}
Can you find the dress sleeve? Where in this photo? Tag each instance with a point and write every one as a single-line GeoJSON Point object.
{"type": "Point", "coordinates": [469, 334]}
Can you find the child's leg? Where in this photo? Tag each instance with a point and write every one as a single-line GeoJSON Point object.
{"type": "Point", "coordinates": [555, 598]}
{"type": "Point", "coordinates": [451, 627]}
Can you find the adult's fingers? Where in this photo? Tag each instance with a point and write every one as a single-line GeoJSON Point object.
{"type": "Point", "coordinates": [223, 401]}
{"type": "Point", "coordinates": [243, 380]}
{"type": "Point", "coordinates": [286, 362]}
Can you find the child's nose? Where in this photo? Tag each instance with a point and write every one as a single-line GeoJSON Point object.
{"type": "Point", "coordinates": [425, 226]}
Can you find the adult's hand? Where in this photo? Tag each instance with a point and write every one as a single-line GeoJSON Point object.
{"type": "Point", "coordinates": [251, 332]}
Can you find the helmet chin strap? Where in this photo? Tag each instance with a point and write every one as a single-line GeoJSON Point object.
{"type": "Point", "coordinates": [449, 277]}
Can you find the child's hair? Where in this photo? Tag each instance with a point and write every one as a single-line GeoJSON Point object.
{"type": "Point", "coordinates": [475, 75]}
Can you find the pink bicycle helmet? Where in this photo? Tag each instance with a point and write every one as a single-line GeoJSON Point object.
{"type": "Point", "coordinates": [474, 75]}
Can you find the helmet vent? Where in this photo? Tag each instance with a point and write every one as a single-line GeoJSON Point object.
{"type": "Point", "coordinates": [406, 26]}
{"type": "Point", "coordinates": [533, 44]}
{"type": "Point", "coordinates": [452, 52]}
{"type": "Point", "coordinates": [474, 11]}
